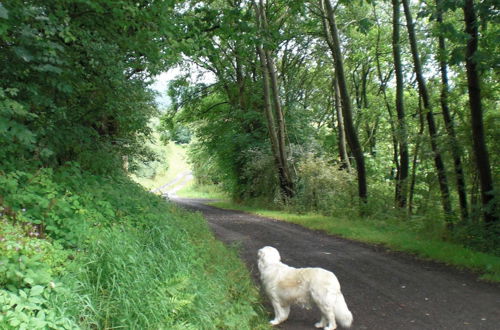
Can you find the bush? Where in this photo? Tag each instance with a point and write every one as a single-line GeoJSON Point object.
{"type": "Point", "coordinates": [324, 188]}
{"type": "Point", "coordinates": [480, 237]}
{"type": "Point", "coordinates": [29, 268]}
{"type": "Point", "coordinates": [260, 177]}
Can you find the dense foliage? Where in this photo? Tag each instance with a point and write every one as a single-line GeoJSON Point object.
{"type": "Point", "coordinates": [73, 79]}
{"type": "Point", "coordinates": [301, 86]}
{"type": "Point", "coordinates": [81, 245]}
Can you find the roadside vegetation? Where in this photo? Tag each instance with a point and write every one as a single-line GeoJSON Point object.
{"type": "Point", "coordinates": [82, 246]}
{"type": "Point", "coordinates": [85, 251]}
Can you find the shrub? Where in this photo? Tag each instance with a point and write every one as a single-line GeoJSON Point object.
{"type": "Point", "coordinates": [324, 187]}
{"type": "Point", "coordinates": [29, 268]}
{"type": "Point", "coordinates": [260, 177]}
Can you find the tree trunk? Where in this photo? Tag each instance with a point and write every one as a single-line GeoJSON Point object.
{"type": "Point", "coordinates": [271, 90]}
{"type": "Point", "coordinates": [449, 124]}
{"type": "Point", "coordinates": [351, 134]}
{"type": "Point", "coordinates": [273, 137]}
{"type": "Point", "coordinates": [422, 88]}
{"type": "Point", "coordinates": [383, 88]}
{"type": "Point", "coordinates": [401, 130]}
{"type": "Point", "coordinates": [344, 157]}
{"type": "Point", "coordinates": [281, 123]}
{"type": "Point", "coordinates": [476, 111]}
{"type": "Point", "coordinates": [416, 152]}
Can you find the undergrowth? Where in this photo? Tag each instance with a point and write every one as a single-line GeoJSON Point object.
{"type": "Point", "coordinates": [85, 251]}
{"type": "Point", "coordinates": [155, 173]}
{"type": "Point", "coordinates": [194, 189]}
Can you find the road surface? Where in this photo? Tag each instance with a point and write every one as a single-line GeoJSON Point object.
{"type": "Point", "coordinates": [384, 290]}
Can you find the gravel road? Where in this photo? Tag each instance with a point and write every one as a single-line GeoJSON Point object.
{"type": "Point", "coordinates": [384, 290]}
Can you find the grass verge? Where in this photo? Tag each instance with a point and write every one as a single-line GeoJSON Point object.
{"type": "Point", "coordinates": [392, 235]}
{"type": "Point", "coordinates": [194, 190]}
{"type": "Point", "coordinates": [81, 251]}
{"type": "Point", "coordinates": [169, 274]}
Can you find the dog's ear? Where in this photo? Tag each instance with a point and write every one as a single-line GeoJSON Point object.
{"type": "Point", "coordinates": [261, 253]}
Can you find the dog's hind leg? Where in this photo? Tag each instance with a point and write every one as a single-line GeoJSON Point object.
{"type": "Point", "coordinates": [281, 312]}
{"type": "Point", "coordinates": [326, 305]}
{"type": "Point", "coordinates": [328, 317]}
{"type": "Point", "coordinates": [321, 323]}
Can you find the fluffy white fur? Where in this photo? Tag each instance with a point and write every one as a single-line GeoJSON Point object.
{"type": "Point", "coordinates": [287, 285]}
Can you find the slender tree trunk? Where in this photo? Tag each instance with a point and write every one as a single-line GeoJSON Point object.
{"type": "Point", "coordinates": [401, 130]}
{"type": "Point", "coordinates": [267, 107]}
{"type": "Point", "coordinates": [281, 121]}
{"type": "Point", "coordinates": [344, 157]}
{"type": "Point", "coordinates": [416, 152]}
{"type": "Point", "coordinates": [240, 81]}
{"type": "Point", "coordinates": [351, 134]}
{"type": "Point", "coordinates": [271, 123]}
{"type": "Point", "coordinates": [371, 130]}
{"type": "Point", "coordinates": [271, 91]}
{"type": "Point", "coordinates": [383, 87]}
{"type": "Point", "coordinates": [476, 111]}
{"type": "Point", "coordinates": [448, 120]}
{"type": "Point", "coordinates": [422, 87]}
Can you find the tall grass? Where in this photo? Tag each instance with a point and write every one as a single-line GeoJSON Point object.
{"type": "Point", "coordinates": [79, 250]}
{"type": "Point", "coordinates": [169, 274]}
{"type": "Point", "coordinates": [166, 271]}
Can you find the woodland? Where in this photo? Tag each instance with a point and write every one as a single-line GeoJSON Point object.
{"type": "Point", "coordinates": [375, 110]}
{"type": "Point", "coordinates": [376, 107]}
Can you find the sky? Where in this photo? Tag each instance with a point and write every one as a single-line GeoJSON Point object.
{"type": "Point", "coordinates": [161, 84]}
{"type": "Point", "coordinates": [161, 81]}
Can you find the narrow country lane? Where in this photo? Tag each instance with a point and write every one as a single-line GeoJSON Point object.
{"type": "Point", "coordinates": [384, 290]}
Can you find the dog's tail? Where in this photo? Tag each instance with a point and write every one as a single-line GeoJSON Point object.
{"type": "Point", "coordinates": [342, 314]}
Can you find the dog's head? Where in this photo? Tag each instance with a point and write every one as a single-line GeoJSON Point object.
{"type": "Point", "coordinates": [268, 255]}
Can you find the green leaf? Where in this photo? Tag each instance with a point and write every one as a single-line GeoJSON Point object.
{"type": "Point", "coordinates": [23, 53]}
{"type": "Point", "coordinates": [15, 322]}
{"type": "Point", "coordinates": [36, 290]}
{"type": "Point", "coordinates": [4, 13]}
{"type": "Point", "coordinates": [23, 294]}
{"type": "Point", "coordinates": [41, 315]}
{"type": "Point", "coordinates": [49, 68]}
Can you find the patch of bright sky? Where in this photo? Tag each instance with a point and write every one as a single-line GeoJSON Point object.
{"type": "Point", "coordinates": [196, 75]}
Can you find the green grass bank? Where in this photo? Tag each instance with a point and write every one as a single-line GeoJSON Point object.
{"type": "Point", "coordinates": [82, 251]}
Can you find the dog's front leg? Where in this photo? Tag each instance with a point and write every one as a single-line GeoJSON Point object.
{"type": "Point", "coordinates": [281, 311]}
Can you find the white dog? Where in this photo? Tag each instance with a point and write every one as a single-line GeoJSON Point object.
{"type": "Point", "coordinates": [286, 285]}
